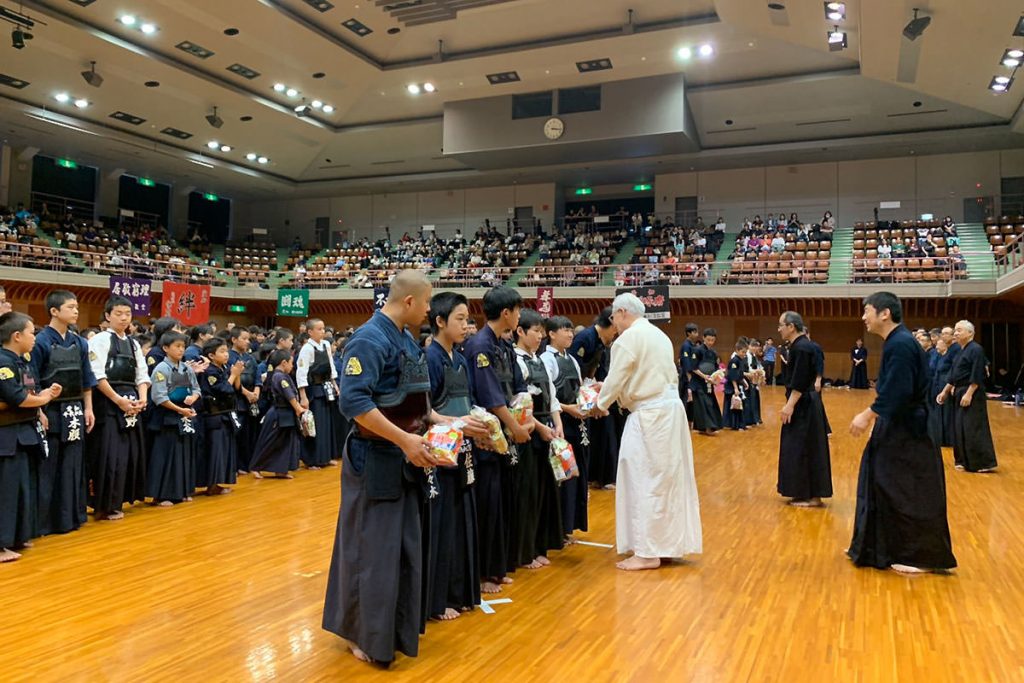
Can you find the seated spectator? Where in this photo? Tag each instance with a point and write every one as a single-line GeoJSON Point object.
{"type": "Point", "coordinates": [778, 243]}
{"type": "Point", "coordinates": [884, 249]}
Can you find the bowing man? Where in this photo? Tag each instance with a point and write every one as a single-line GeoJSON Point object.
{"type": "Point", "coordinates": [901, 491]}
{"type": "Point", "coordinates": [972, 436]}
{"type": "Point", "coordinates": [317, 380]}
{"type": "Point", "coordinates": [375, 587]}
{"type": "Point", "coordinates": [62, 357]}
{"type": "Point", "coordinates": [600, 456]}
{"type": "Point", "coordinates": [805, 468]}
{"type": "Point", "coordinates": [117, 452]}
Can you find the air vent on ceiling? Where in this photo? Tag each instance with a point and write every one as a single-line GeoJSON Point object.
{"type": "Point", "coordinates": [387, 163]}
{"type": "Point", "coordinates": [12, 82]}
{"type": "Point", "coordinates": [320, 5]}
{"type": "Point", "coordinates": [730, 130]}
{"type": "Point", "coordinates": [917, 113]}
{"type": "Point", "coordinates": [401, 4]}
{"type": "Point", "coordinates": [175, 133]}
{"type": "Point", "coordinates": [594, 65]}
{"type": "Point", "coordinates": [333, 166]}
{"type": "Point", "coordinates": [357, 27]}
{"type": "Point", "coordinates": [194, 50]}
{"type": "Point", "coordinates": [243, 71]}
{"type": "Point", "coordinates": [503, 77]}
{"type": "Point", "coordinates": [822, 122]}
{"type": "Point", "coordinates": [125, 117]}
{"type": "Point", "coordinates": [83, 3]}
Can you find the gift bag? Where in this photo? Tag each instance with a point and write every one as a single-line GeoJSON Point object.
{"type": "Point", "coordinates": [587, 399]}
{"type": "Point", "coordinates": [445, 442]}
{"type": "Point", "coordinates": [522, 408]}
{"type": "Point", "coordinates": [307, 424]}
{"type": "Point", "coordinates": [495, 441]}
{"type": "Point", "coordinates": [563, 462]}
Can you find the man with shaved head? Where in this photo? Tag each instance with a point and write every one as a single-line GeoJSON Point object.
{"type": "Point", "coordinates": [972, 437]}
{"type": "Point", "coordinates": [375, 584]}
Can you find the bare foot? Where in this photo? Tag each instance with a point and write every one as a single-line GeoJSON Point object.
{"type": "Point", "coordinates": [165, 504]}
{"type": "Point", "coordinates": [637, 563]}
{"type": "Point", "coordinates": [110, 516]}
{"type": "Point", "coordinates": [283, 476]}
{"type": "Point", "coordinates": [312, 467]}
{"type": "Point", "coordinates": [257, 475]}
{"type": "Point", "coordinates": [609, 487]}
{"type": "Point", "coordinates": [489, 587]}
{"type": "Point", "coordinates": [985, 470]}
{"type": "Point", "coordinates": [23, 546]}
{"type": "Point", "coordinates": [332, 463]}
{"type": "Point", "coordinates": [217, 490]}
{"type": "Point", "coordinates": [506, 580]}
{"type": "Point", "coordinates": [908, 570]}
{"type": "Point", "coordinates": [8, 555]}
{"type": "Point", "coordinates": [543, 560]}
{"type": "Point", "coordinates": [242, 473]}
{"type": "Point", "coordinates": [569, 540]}
{"type": "Point", "coordinates": [360, 655]}
{"type": "Point", "coordinates": [809, 503]}
{"type": "Point", "coordinates": [188, 499]}
{"type": "Point", "coordinates": [447, 615]}
{"type": "Point", "coordinates": [533, 565]}
{"type": "Point", "coordinates": [958, 468]}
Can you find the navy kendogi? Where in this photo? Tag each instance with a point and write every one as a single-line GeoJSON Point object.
{"type": "Point", "coordinates": [375, 586]}
{"type": "Point", "coordinates": [248, 413]}
{"type": "Point", "coordinates": [220, 425]}
{"type": "Point", "coordinates": [805, 465]}
{"type": "Point", "coordinates": [279, 444]}
{"type": "Point", "coordinates": [315, 372]}
{"type": "Point", "coordinates": [172, 457]}
{"type": "Point", "coordinates": [687, 360]}
{"type": "Point", "coordinates": [943, 367]}
{"type": "Point", "coordinates": [601, 455]}
{"type": "Point", "coordinates": [61, 485]}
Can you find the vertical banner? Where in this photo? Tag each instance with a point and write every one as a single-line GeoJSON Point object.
{"type": "Point", "coordinates": [136, 291]}
{"type": "Point", "coordinates": [189, 304]}
{"type": "Point", "coordinates": [293, 303]}
{"type": "Point", "coordinates": [380, 297]}
{"type": "Point", "coordinates": [656, 301]}
{"type": "Point", "coordinates": [546, 301]}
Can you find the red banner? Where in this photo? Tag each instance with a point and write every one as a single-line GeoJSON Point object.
{"type": "Point", "coordinates": [546, 301]}
{"type": "Point", "coordinates": [189, 304]}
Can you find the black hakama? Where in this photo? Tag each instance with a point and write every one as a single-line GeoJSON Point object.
{"type": "Point", "coordinates": [278, 446]}
{"type": "Point", "coordinates": [752, 407]}
{"type": "Point", "coordinates": [491, 524]}
{"type": "Point", "coordinates": [604, 449]}
{"type": "Point", "coordinates": [510, 504]}
{"type": "Point", "coordinates": [61, 485]}
{"type": "Point", "coordinates": [574, 492]}
{"type": "Point", "coordinates": [247, 435]}
{"type": "Point", "coordinates": [454, 566]}
{"type": "Point", "coordinates": [859, 373]}
{"type": "Point", "coordinates": [17, 510]}
{"type": "Point", "coordinates": [527, 485]}
{"type": "Point", "coordinates": [172, 462]}
{"type": "Point", "coordinates": [805, 468]}
{"type": "Point", "coordinates": [972, 436]}
{"type": "Point", "coordinates": [324, 447]}
{"type": "Point", "coordinates": [117, 457]}
{"type": "Point", "coordinates": [707, 416]}
{"type": "Point", "coordinates": [550, 535]}
{"type": "Point", "coordinates": [375, 584]}
{"type": "Point", "coordinates": [901, 499]}
{"type": "Point", "coordinates": [221, 462]}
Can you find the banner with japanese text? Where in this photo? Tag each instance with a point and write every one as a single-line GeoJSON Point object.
{"type": "Point", "coordinates": [188, 304]}
{"type": "Point", "coordinates": [380, 297]}
{"type": "Point", "coordinates": [136, 291]}
{"type": "Point", "coordinates": [656, 301]}
{"type": "Point", "coordinates": [293, 303]}
{"type": "Point", "coordinates": [546, 301]}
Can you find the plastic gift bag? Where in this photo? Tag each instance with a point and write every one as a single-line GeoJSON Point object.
{"type": "Point", "coordinates": [522, 408]}
{"type": "Point", "coordinates": [495, 442]}
{"type": "Point", "coordinates": [563, 462]}
{"type": "Point", "coordinates": [445, 442]}
{"type": "Point", "coordinates": [307, 424]}
{"type": "Point", "coordinates": [587, 399]}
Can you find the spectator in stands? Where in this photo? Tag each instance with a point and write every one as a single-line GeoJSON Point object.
{"type": "Point", "coordinates": [778, 243]}
{"type": "Point", "coordinates": [899, 249]}
{"type": "Point", "coordinates": [884, 249]}
{"type": "Point", "coordinates": [720, 225]}
{"type": "Point", "coordinates": [828, 223]}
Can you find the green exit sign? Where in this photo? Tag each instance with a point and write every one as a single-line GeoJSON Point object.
{"type": "Point", "coordinates": [236, 308]}
{"type": "Point", "coordinates": [643, 187]}
{"type": "Point", "coordinates": [146, 182]}
{"type": "Point", "coordinates": [584, 190]}
{"type": "Point", "coordinates": [210, 197]}
{"type": "Point", "coordinates": [66, 163]}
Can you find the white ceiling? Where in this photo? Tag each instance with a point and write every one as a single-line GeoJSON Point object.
{"type": "Point", "coordinates": [764, 77]}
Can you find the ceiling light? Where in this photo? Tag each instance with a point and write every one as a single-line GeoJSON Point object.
{"type": "Point", "coordinates": [413, 89]}
{"type": "Point", "coordinates": [706, 50]}
{"type": "Point", "coordinates": [91, 77]}
{"type": "Point", "coordinates": [263, 160]}
{"type": "Point", "coordinates": [214, 120]}
{"type": "Point", "coordinates": [328, 109]}
{"type": "Point", "coordinates": [1002, 80]}
{"type": "Point", "coordinates": [317, 104]}
{"type": "Point", "coordinates": [1011, 62]}
{"type": "Point", "coordinates": [251, 156]}
{"type": "Point", "coordinates": [279, 87]}
{"type": "Point", "coordinates": [429, 87]}
{"type": "Point", "coordinates": [302, 110]}
{"type": "Point", "coordinates": [292, 92]}
{"type": "Point", "coordinates": [835, 11]}
{"type": "Point", "coordinates": [18, 38]}
{"type": "Point", "coordinates": [685, 53]}
{"type": "Point", "coordinates": [148, 29]}
{"type": "Point", "coordinates": [81, 103]}
{"type": "Point", "coordinates": [1000, 84]}
{"type": "Point", "coordinates": [128, 20]}
{"type": "Point", "coordinates": [916, 26]}
{"type": "Point", "coordinates": [225, 148]}
{"type": "Point", "coordinates": [837, 40]}
{"type": "Point", "coordinates": [62, 97]}
{"type": "Point", "coordinates": [213, 144]}
{"type": "Point", "coordinates": [1015, 54]}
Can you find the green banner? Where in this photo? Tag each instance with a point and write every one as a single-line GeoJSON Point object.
{"type": "Point", "coordinates": [293, 302]}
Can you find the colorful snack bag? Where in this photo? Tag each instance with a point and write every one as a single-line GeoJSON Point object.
{"type": "Point", "coordinates": [563, 462]}
{"type": "Point", "coordinates": [445, 442]}
{"type": "Point", "coordinates": [522, 408]}
{"type": "Point", "coordinates": [496, 441]}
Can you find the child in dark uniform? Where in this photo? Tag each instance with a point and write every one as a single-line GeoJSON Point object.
{"type": "Point", "coordinates": [172, 458]}
{"type": "Point", "coordinates": [21, 434]}
{"type": "Point", "coordinates": [220, 423]}
{"type": "Point", "coordinates": [736, 386]}
{"type": "Point", "coordinates": [279, 443]}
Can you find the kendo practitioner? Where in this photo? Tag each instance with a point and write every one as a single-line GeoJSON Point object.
{"type": "Point", "coordinates": [736, 385]}
{"type": "Point", "coordinates": [198, 335]}
{"type": "Point", "coordinates": [281, 340]}
{"type": "Point", "coordinates": [819, 370]}
{"type": "Point", "coordinates": [805, 468]}
{"type": "Point", "coordinates": [936, 412]}
{"type": "Point", "coordinates": [687, 356]}
{"type": "Point", "coordinates": [492, 374]}
{"type": "Point", "coordinates": [707, 416]}
{"type": "Point", "coordinates": [752, 406]}
{"type": "Point", "coordinates": [590, 349]}
{"type": "Point", "coordinates": [565, 373]}
{"type": "Point", "coordinates": [116, 452]}
{"type": "Point", "coordinates": [943, 366]}
{"type": "Point", "coordinates": [453, 575]}
{"type": "Point", "coordinates": [247, 396]}
{"type": "Point", "coordinates": [901, 491]}
{"type": "Point", "coordinates": [22, 438]}
{"type": "Point", "coordinates": [280, 442]}
{"type": "Point", "coordinates": [783, 360]}
{"type": "Point", "coordinates": [540, 519]}
{"type": "Point", "coordinates": [973, 449]}
{"type": "Point", "coordinates": [62, 357]}
{"type": "Point", "coordinates": [341, 425]}
{"type": "Point", "coordinates": [161, 326]}
{"type": "Point", "coordinates": [172, 457]}
{"type": "Point", "coordinates": [375, 586]}
{"type": "Point", "coordinates": [318, 392]}
{"type": "Point", "coordinates": [859, 373]}
{"type": "Point", "coordinates": [219, 384]}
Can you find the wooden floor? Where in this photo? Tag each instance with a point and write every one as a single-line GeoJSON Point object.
{"type": "Point", "coordinates": [231, 589]}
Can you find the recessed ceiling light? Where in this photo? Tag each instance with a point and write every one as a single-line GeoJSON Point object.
{"type": "Point", "coordinates": [317, 104]}
{"type": "Point", "coordinates": [279, 87]}
{"type": "Point", "coordinates": [835, 11]}
{"type": "Point", "coordinates": [1011, 62]}
{"type": "Point", "coordinates": [684, 53]}
{"type": "Point", "coordinates": [328, 109]}
{"type": "Point", "coordinates": [81, 103]}
{"type": "Point", "coordinates": [394, 31]}
{"type": "Point", "coordinates": [706, 50]}
{"type": "Point", "coordinates": [429, 87]}
{"type": "Point", "coordinates": [62, 97]}
{"type": "Point", "coordinates": [413, 89]}
{"type": "Point", "coordinates": [1000, 84]}
{"type": "Point", "coordinates": [1015, 54]}
{"type": "Point", "coordinates": [1003, 80]}
{"type": "Point", "coordinates": [319, 74]}
{"type": "Point", "coordinates": [213, 144]}
{"type": "Point", "coordinates": [291, 92]}
{"type": "Point", "coordinates": [152, 84]}
{"type": "Point", "coordinates": [251, 156]}
{"type": "Point", "coordinates": [245, 118]}
{"type": "Point", "coordinates": [263, 160]}
{"type": "Point", "coordinates": [231, 31]}
{"type": "Point", "coordinates": [225, 148]}
{"type": "Point", "coordinates": [128, 19]}
{"type": "Point", "coordinates": [148, 29]}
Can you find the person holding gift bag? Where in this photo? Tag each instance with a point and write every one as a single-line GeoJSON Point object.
{"type": "Point", "coordinates": [317, 379]}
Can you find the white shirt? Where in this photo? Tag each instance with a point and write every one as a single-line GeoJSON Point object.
{"type": "Point", "coordinates": [306, 360]}
{"type": "Point", "coordinates": [521, 357]}
{"type": "Point", "coordinates": [99, 350]}
{"type": "Point", "coordinates": [642, 367]}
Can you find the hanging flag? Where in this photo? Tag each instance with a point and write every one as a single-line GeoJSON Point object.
{"type": "Point", "coordinates": [136, 291]}
{"type": "Point", "coordinates": [546, 301]}
{"type": "Point", "coordinates": [293, 303]}
{"type": "Point", "coordinates": [189, 304]}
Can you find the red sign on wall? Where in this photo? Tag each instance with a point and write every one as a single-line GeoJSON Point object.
{"type": "Point", "coordinates": [188, 304]}
{"type": "Point", "coordinates": [546, 301]}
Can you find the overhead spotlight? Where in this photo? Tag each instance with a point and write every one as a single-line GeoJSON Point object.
{"type": "Point", "coordinates": [1012, 58]}
{"type": "Point", "coordinates": [250, 156]}
{"type": "Point", "coordinates": [916, 26]}
{"type": "Point", "coordinates": [81, 103]}
{"type": "Point", "coordinates": [262, 160]}
{"type": "Point", "coordinates": [213, 144]}
{"type": "Point", "coordinates": [91, 77]}
{"type": "Point", "coordinates": [777, 6]}
{"type": "Point", "coordinates": [413, 89]}
{"type": "Point", "coordinates": [706, 50]}
{"type": "Point", "coordinates": [835, 11]}
{"type": "Point", "coordinates": [317, 104]}
{"type": "Point", "coordinates": [62, 97]}
{"type": "Point", "coordinates": [292, 92]}
{"type": "Point", "coordinates": [837, 40]}
{"type": "Point", "coordinates": [302, 110]}
{"type": "Point", "coordinates": [18, 38]}
{"type": "Point", "coordinates": [429, 87]}
{"type": "Point", "coordinates": [128, 19]}
{"type": "Point", "coordinates": [225, 148]}
{"type": "Point", "coordinates": [279, 87]}
{"type": "Point", "coordinates": [1000, 84]}
{"type": "Point", "coordinates": [148, 29]}
{"type": "Point", "coordinates": [328, 109]}
{"type": "Point", "coordinates": [214, 120]}
{"type": "Point", "coordinates": [685, 53]}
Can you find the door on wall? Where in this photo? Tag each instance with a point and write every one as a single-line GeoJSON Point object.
{"type": "Point", "coordinates": [686, 211]}
{"type": "Point", "coordinates": [323, 227]}
{"type": "Point", "coordinates": [1013, 196]}
{"type": "Point", "coordinates": [977, 209]}
{"type": "Point", "coordinates": [524, 218]}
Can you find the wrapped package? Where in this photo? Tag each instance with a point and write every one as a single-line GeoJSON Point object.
{"type": "Point", "coordinates": [307, 424]}
{"type": "Point", "coordinates": [522, 408]}
{"type": "Point", "coordinates": [563, 462]}
{"type": "Point", "coordinates": [587, 399]}
{"type": "Point", "coordinates": [445, 442]}
{"type": "Point", "coordinates": [496, 441]}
